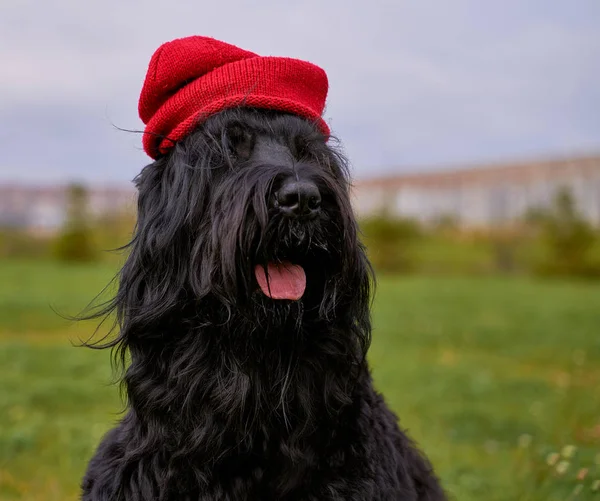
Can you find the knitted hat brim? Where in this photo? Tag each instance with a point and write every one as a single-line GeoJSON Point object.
{"type": "Point", "coordinates": [274, 83]}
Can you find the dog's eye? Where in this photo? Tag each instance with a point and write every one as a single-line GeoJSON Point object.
{"type": "Point", "coordinates": [301, 147]}
{"type": "Point", "coordinates": [241, 141]}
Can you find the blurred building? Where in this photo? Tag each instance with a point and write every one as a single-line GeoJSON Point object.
{"type": "Point", "coordinates": [474, 196]}
{"type": "Point", "coordinates": [483, 195]}
{"type": "Point", "coordinates": [45, 208]}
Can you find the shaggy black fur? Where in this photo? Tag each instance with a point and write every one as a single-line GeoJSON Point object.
{"type": "Point", "coordinates": [232, 395]}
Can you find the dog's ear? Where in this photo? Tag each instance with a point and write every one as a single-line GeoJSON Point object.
{"type": "Point", "coordinates": [241, 140]}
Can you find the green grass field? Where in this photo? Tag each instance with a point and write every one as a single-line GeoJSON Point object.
{"type": "Point", "coordinates": [490, 375]}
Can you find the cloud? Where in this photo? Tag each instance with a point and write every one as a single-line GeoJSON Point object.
{"type": "Point", "coordinates": [412, 83]}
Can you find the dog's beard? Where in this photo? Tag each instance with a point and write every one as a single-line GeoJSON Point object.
{"type": "Point", "coordinates": [295, 262]}
{"type": "Point", "coordinates": [286, 279]}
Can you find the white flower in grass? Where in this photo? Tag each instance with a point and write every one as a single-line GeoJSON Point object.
{"type": "Point", "coordinates": [562, 467]}
{"type": "Point", "coordinates": [552, 458]}
{"type": "Point", "coordinates": [568, 451]}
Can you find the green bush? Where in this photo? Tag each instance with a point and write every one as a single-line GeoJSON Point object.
{"type": "Point", "coordinates": [568, 239]}
{"type": "Point", "coordinates": [74, 244]}
{"type": "Point", "coordinates": [20, 244]}
{"type": "Point", "coordinates": [391, 242]}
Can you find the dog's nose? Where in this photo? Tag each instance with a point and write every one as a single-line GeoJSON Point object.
{"type": "Point", "coordinates": [299, 198]}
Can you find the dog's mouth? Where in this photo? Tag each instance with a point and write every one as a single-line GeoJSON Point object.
{"type": "Point", "coordinates": [281, 280]}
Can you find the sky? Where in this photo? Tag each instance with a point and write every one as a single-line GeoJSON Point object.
{"type": "Point", "coordinates": [414, 85]}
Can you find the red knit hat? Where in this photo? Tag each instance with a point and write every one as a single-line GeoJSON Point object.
{"type": "Point", "coordinates": [191, 78]}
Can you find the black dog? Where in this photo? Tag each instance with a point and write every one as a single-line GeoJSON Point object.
{"type": "Point", "coordinates": [244, 306]}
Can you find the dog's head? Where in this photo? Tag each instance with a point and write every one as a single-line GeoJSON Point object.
{"type": "Point", "coordinates": [247, 223]}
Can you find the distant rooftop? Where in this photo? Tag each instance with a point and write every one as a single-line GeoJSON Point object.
{"type": "Point", "coordinates": [518, 171]}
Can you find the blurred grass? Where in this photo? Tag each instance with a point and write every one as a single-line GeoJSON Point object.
{"type": "Point", "coordinates": [35, 294]}
{"type": "Point", "coordinates": [473, 366]}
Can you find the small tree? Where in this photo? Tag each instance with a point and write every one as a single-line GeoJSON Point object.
{"type": "Point", "coordinates": [568, 239]}
{"type": "Point", "coordinates": [74, 243]}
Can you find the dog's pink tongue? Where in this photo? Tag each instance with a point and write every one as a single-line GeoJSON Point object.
{"type": "Point", "coordinates": [286, 280]}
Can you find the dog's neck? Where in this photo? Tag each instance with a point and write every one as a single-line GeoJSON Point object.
{"type": "Point", "coordinates": [212, 394]}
